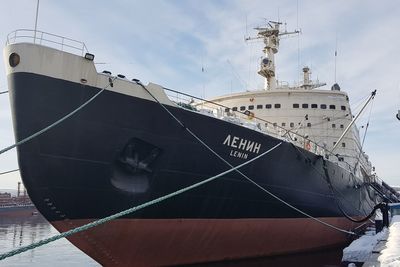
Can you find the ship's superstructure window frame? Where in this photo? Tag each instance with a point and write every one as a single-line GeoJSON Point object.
{"type": "Point", "coordinates": [277, 106]}
{"type": "Point", "coordinates": [343, 144]}
{"type": "Point", "coordinates": [292, 124]}
{"type": "Point", "coordinates": [343, 107]}
{"type": "Point", "coordinates": [296, 105]}
{"type": "Point", "coordinates": [314, 105]}
{"type": "Point", "coordinates": [283, 124]}
{"type": "Point", "coordinates": [341, 126]}
{"type": "Point", "coordinates": [242, 108]}
{"type": "Point", "coordinates": [227, 110]}
{"type": "Point", "coordinates": [268, 106]}
{"type": "Point", "coordinates": [304, 105]}
{"type": "Point", "coordinates": [323, 106]}
{"type": "Point", "coordinates": [308, 124]}
{"type": "Point", "coordinates": [251, 107]}
{"type": "Point", "coordinates": [332, 107]}
{"type": "Point", "coordinates": [234, 109]}
{"type": "Point", "coordinates": [259, 106]}
{"type": "Point", "coordinates": [333, 125]}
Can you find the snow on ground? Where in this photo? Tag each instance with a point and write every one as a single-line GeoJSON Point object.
{"type": "Point", "coordinates": [390, 256]}
{"type": "Point", "coordinates": [360, 249]}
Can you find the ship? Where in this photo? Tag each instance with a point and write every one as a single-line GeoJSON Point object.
{"type": "Point", "coordinates": [306, 187]}
{"type": "Point", "coordinates": [19, 205]}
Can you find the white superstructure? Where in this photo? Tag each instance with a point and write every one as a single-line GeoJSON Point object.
{"type": "Point", "coordinates": [309, 117]}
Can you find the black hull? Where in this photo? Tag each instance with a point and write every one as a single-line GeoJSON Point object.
{"type": "Point", "coordinates": [121, 151]}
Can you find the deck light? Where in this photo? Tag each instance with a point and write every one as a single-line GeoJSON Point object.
{"type": "Point", "coordinates": [89, 56]}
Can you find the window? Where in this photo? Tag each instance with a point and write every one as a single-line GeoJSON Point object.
{"type": "Point", "coordinates": [343, 107]}
{"type": "Point", "coordinates": [340, 158]}
{"type": "Point", "coordinates": [292, 124]}
{"type": "Point", "coordinates": [314, 106]}
{"type": "Point", "coordinates": [234, 109]}
{"type": "Point", "coordinates": [251, 107]}
{"type": "Point", "coordinates": [242, 108]}
{"type": "Point", "coordinates": [323, 106]}
{"type": "Point", "coordinates": [308, 124]}
{"type": "Point", "coordinates": [277, 105]}
{"type": "Point", "coordinates": [333, 125]}
{"type": "Point", "coordinates": [304, 106]}
{"type": "Point", "coordinates": [275, 124]}
{"type": "Point", "coordinates": [266, 124]}
{"type": "Point", "coordinates": [334, 143]}
{"type": "Point", "coordinates": [259, 106]}
{"type": "Point", "coordinates": [227, 110]}
{"type": "Point", "coordinates": [332, 107]}
{"type": "Point", "coordinates": [341, 126]}
{"type": "Point", "coordinates": [296, 105]}
{"type": "Point", "coordinates": [343, 144]}
{"type": "Point", "coordinates": [283, 124]}
{"type": "Point", "coordinates": [268, 106]}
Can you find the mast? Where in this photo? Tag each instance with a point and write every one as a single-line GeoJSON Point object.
{"type": "Point", "coordinates": [271, 36]}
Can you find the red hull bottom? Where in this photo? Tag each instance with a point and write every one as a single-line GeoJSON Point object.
{"type": "Point", "coordinates": [160, 242]}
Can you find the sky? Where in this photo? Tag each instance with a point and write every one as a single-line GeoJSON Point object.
{"type": "Point", "coordinates": [198, 47]}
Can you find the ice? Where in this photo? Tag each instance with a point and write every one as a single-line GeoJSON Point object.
{"type": "Point", "coordinates": [360, 249]}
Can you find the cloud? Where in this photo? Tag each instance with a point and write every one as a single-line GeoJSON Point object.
{"type": "Point", "coordinates": [169, 42]}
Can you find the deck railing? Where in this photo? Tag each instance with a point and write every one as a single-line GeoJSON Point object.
{"type": "Point", "coordinates": [48, 39]}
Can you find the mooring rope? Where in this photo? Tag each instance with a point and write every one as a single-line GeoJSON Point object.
{"type": "Point", "coordinates": [58, 121]}
{"type": "Point", "coordinates": [1, 173]}
{"type": "Point", "coordinates": [128, 211]}
{"type": "Point", "coordinates": [245, 176]}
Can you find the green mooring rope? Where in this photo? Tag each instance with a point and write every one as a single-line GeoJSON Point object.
{"type": "Point", "coordinates": [128, 211]}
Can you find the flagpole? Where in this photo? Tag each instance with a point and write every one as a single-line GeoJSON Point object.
{"type": "Point", "coordinates": [37, 13]}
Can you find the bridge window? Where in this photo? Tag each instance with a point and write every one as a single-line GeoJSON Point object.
{"type": "Point", "coordinates": [277, 106]}
{"type": "Point", "coordinates": [259, 106]}
{"type": "Point", "coordinates": [227, 110]}
{"type": "Point", "coordinates": [234, 109]}
{"type": "Point", "coordinates": [251, 107]}
{"type": "Point", "coordinates": [332, 107]}
{"type": "Point", "coordinates": [308, 124]}
{"type": "Point", "coordinates": [283, 124]}
{"type": "Point", "coordinates": [333, 125]}
{"type": "Point", "coordinates": [275, 124]}
{"type": "Point", "coordinates": [314, 106]}
{"type": "Point", "coordinates": [341, 126]}
{"type": "Point", "coordinates": [242, 108]}
{"type": "Point", "coordinates": [296, 105]}
{"type": "Point", "coordinates": [268, 106]}
{"type": "Point", "coordinates": [323, 106]}
{"type": "Point", "coordinates": [304, 105]}
{"type": "Point", "coordinates": [292, 124]}
{"type": "Point", "coordinates": [343, 107]}
{"type": "Point", "coordinates": [343, 144]}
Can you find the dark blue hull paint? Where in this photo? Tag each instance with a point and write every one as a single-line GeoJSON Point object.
{"type": "Point", "coordinates": [82, 168]}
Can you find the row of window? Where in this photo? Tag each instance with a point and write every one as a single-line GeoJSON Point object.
{"type": "Point", "coordinates": [269, 106]}
{"type": "Point", "coordinates": [308, 125]}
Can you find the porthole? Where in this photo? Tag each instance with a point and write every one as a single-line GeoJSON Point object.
{"type": "Point", "coordinates": [14, 60]}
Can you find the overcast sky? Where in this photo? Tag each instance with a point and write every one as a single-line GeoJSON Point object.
{"type": "Point", "coordinates": [169, 42]}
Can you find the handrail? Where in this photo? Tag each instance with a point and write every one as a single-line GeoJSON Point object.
{"type": "Point", "coordinates": [41, 37]}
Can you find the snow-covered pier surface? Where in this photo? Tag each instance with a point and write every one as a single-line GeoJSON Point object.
{"type": "Point", "coordinates": [390, 256]}
{"type": "Point", "coordinates": [360, 249]}
{"type": "Point", "coordinates": [376, 250]}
